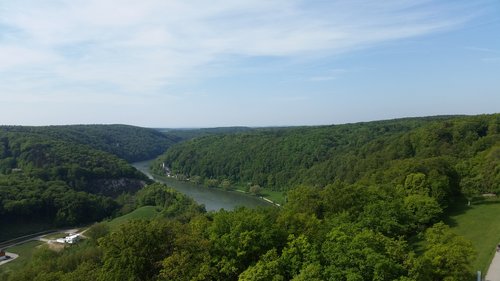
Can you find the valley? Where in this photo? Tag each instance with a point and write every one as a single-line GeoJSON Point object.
{"type": "Point", "coordinates": [364, 201]}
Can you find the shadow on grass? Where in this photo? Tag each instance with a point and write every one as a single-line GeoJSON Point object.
{"type": "Point", "coordinates": [459, 206]}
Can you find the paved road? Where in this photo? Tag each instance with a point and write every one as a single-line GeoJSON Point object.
{"type": "Point", "coordinates": [40, 238]}
{"type": "Point", "coordinates": [494, 270]}
{"type": "Point", "coordinates": [12, 257]}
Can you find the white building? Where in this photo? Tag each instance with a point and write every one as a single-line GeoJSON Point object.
{"type": "Point", "coordinates": [72, 239]}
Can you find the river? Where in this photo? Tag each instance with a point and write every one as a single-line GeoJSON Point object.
{"type": "Point", "coordinates": [213, 199]}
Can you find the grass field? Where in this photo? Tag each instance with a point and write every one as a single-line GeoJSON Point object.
{"type": "Point", "coordinates": [275, 196]}
{"type": "Point", "coordinates": [479, 223]}
{"type": "Point", "coordinates": [146, 212]}
{"type": "Point", "coordinates": [25, 251]}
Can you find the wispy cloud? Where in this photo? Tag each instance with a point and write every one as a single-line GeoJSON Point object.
{"type": "Point", "coordinates": [136, 47]}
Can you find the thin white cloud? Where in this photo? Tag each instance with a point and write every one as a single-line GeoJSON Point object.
{"type": "Point", "coordinates": [137, 47]}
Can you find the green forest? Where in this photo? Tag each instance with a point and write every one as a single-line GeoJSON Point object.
{"type": "Point", "coordinates": [68, 175]}
{"type": "Point", "coordinates": [449, 152]}
{"type": "Point", "coordinates": [127, 142]}
{"type": "Point", "coordinates": [365, 201]}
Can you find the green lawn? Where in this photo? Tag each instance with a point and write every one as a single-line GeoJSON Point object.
{"type": "Point", "coordinates": [479, 223]}
{"type": "Point", "coordinates": [275, 196]}
{"type": "Point", "coordinates": [146, 212]}
{"type": "Point", "coordinates": [25, 251]}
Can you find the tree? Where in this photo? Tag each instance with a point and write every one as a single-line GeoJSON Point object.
{"type": "Point", "coordinates": [421, 210]}
{"type": "Point", "coordinates": [446, 256]}
{"type": "Point", "coordinates": [240, 237]}
{"type": "Point", "coordinates": [255, 189]}
{"type": "Point", "coordinates": [97, 230]}
{"type": "Point", "coordinates": [134, 251]}
{"type": "Point", "coordinates": [350, 253]}
{"type": "Point", "coordinates": [226, 184]}
{"type": "Point", "coordinates": [267, 268]}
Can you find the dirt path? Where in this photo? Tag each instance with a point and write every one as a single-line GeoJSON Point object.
{"type": "Point", "coordinates": [494, 270]}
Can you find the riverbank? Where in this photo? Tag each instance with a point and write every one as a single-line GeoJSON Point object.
{"type": "Point", "coordinates": [169, 182]}
{"type": "Point", "coordinates": [213, 199]}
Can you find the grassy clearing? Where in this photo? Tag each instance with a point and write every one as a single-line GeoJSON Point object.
{"type": "Point", "coordinates": [146, 212]}
{"type": "Point", "coordinates": [25, 252]}
{"type": "Point", "coordinates": [275, 196]}
{"type": "Point", "coordinates": [479, 223]}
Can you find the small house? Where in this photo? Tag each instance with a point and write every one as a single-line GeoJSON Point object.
{"type": "Point", "coordinates": [72, 239]}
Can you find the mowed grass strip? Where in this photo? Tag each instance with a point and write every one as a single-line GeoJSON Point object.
{"type": "Point", "coordinates": [25, 252]}
{"type": "Point", "coordinates": [275, 196]}
{"type": "Point", "coordinates": [479, 223]}
{"type": "Point", "coordinates": [145, 212]}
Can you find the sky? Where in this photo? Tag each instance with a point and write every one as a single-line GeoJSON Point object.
{"type": "Point", "coordinates": [194, 63]}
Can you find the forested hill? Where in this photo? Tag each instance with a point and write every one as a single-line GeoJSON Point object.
{"type": "Point", "coordinates": [447, 150]}
{"type": "Point", "coordinates": [127, 142]}
{"type": "Point", "coordinates": [190, 133]}
{"type": "Point", "coordinates": [48, 179]}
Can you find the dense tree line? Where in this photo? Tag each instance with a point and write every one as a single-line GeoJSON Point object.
{"type": "Point", "coordinates": [452, 153]}
{"type": "Point", "coordinates": [342, 232]}
{"type": "Point", "coordinates": [24, 199]}
{"type": "Point", "coordinates": [191, 133]}
{"type": "Point", "coordinates": [127, 142]}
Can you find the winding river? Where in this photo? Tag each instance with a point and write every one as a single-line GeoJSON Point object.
{"type": "Point", "coordinates": [213, 199]}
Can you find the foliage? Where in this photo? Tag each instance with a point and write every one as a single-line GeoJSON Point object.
{"type": "Point", "coordinates": [479, 223]}
{"type": "Point", "coordinates": [131, 252]}
{"type": "Point", "coordinates": [127, 142]}
{"type": "Point", "coordinates": [52, 175]}
{"type": "Point", "coordinates": [357, 194]}
{"type": "Point", "coordinates": [447, 256]}
{"type": "Point", "coordinates": [450, 151]}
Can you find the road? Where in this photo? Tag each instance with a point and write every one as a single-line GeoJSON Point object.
{"type": "Point", "coordinates": [11, 256]}
{"type": "Point", "coordinates": [40, 237]}
{"type": "Point", "coordinates": [494, 270]}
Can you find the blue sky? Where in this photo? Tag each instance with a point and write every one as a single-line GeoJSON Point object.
{"type": "Point", "coordinates": [159, 63]}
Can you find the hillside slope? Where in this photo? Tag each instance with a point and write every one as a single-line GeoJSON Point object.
{"type": "Point", "coordinates": [448, 149]}
{"type": "Point", "coordinates": [47, 179]}
{"type": "Point", "coordinates": [127, 142]}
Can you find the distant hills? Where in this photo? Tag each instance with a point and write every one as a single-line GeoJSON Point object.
{"type": "Point", "coordinates": [127, 142]}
